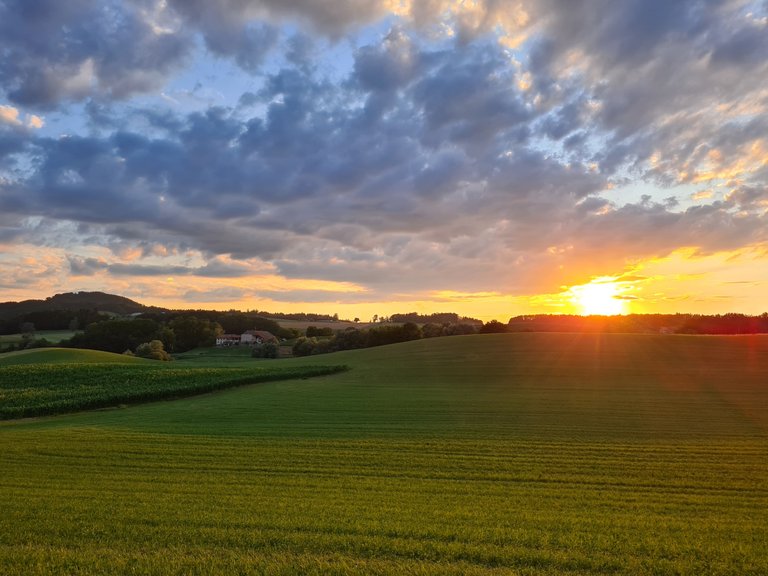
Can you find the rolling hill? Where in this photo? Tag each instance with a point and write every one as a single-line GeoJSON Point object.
{"type": "Point", "coordinates": [74, 301]}
{"type": "Point", "coordinates": [535, 454]}
{"type": "Point", "coordinates": [66, 356]}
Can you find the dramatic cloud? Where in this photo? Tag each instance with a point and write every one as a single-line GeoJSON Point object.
{"type": "Point", "coordinates": [407, 147]}
{"type": "Point", "coordinates": [57, 51]}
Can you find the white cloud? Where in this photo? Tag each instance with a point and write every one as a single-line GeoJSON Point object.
{"type": "Point", "coordinates": [12, 117]}
{"type": "Point", "coordinates": [9, 115]}
{"type": "Point", "coordinates": [35, 121]}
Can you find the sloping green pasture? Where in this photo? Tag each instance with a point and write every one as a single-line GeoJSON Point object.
{"type": "Point", "coordinates": [66, 356]}
{"type": "Point", "coordinates": [499, 454]}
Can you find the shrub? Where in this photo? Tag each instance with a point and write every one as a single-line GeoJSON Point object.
{"type": "Point", "coordinates": [265, 350]}
{"type": "Point", "coordinates": [314, 331]}
{"type": "Point", "coordinates": [39, 343]}
{"type": "Point", "coordinates": [493, 327]}
{"type": "Point", "coordinates": [304, 346]}
{"type": "Point", "coordinates": [153, 350]}
{"type": "Point", "coordinates": [459, 329]}
{"type": "Point", "coordinates": [432, 330]}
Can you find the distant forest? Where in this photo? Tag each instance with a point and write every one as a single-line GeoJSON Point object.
{"type": "Point", "coordinates": [436, 318]}
{"type": "Point", "coordinates": [643, 323]}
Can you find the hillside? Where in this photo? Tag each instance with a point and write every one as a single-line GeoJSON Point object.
{"type": "Point", "coordinates": [74, 301]}
{"type": "Point", "coordinates": [537, 454]}
{"type": "Point", "coordinates": [67, 356]}
{"type": "Point", "coordinates": [509, 385]}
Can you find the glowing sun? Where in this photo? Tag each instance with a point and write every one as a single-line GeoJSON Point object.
{"type": "Point", "coordinates": [598, 298]}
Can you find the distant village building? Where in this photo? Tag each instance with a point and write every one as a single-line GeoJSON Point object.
{"type": "Point", "coordinates": [248, 338]}
{"type": "Point", "coordinates": [253, 337]}
{"type": "Point", "coordinates": [228, 340]}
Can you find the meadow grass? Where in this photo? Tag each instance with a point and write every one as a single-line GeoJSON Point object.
{"type": "Point", "coordinates": [498, 454]}
{"type": "Point", "coordinates": [40, 356]}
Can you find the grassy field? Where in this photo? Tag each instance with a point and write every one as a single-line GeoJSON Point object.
{"type": "Point", "coordinates": [498, 454]}
{"type": "Point", "coordinates": [217, 357]}
{"type": "Point", "coordinates": [67, 356]}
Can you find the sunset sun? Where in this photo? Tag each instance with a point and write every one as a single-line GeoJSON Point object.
{"type": "Point", "coordinates": [597, 297]}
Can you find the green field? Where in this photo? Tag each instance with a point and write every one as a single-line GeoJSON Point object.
{"type": "Point", "coordinates": [67, 356]}
{"type": "Point", "coordinates": [498, 454]}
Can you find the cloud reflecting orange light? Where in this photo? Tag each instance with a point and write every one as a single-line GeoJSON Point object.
{"type": "Point", "coordinates": [683, 281]}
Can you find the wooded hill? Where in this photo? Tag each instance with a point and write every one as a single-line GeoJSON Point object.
{"type": "Point", "coordinates": [74, 301]}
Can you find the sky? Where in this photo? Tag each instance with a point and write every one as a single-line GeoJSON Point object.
{"type": "Point", "coordinates": [359, 157]}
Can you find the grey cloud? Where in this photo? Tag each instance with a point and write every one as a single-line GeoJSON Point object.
{"type": "Point", "coordinates": [228, 294]}
{"type": "Point", "coordinates": [218, 269]}
{"type": "Point", "coordinates": [374, 271]}
{"type": "Point", "coordinates": [651, 229]}
{"type": "Point", "coordinates": [749, 198]}
{"type": "Point", "coordinates": [592, 205]}
{"type": "Point", "coordinates": [229, 30]}
{"type": "Point", "coordinates": [658, 71]}
{"type": "Point", "coordinates": [315, 296]}
{"type": "Point", "coordinates": [85, 266]}
{"type": "Point", "coordinates": [629, 33]}
{"type": "Point", "coordinates": [564, 120]}
{"type": "Point", "coordinates": [11, 227]}
{"type": "Point", "coordinates": [468, 97]}
{"type": "Point", "coordinates": [331, 17]}
{"type": "Point", "coordinates": [148, 270]}
{"type": "Point", "coordinates": [250, 48]}
{"type": "Point", "coordinates": [389, 66]}
{"type": "Point", "coordinates": [300, 51]}
{"type": "Point", "coordinates": [215, 268]}
{"type": "Point", "coordinates": [55, 51]}
{"type": "Point", "coordinates": [248, 99]}
{"type": "Point", "coordinates": [13, 142]}
{"type": "Point", "coordinates": [745, 46]}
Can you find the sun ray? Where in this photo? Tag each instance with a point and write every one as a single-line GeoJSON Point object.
{"type": "Point", "coordinates": [599, 297]}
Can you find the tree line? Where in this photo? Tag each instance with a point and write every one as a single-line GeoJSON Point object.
{"type": "Point", "coordinates": [177, 332]}
{"type": "Point", "coordinates": [730, 323]}
{"type": "Point", "coordinates": [51, 320]}
{"type": "Point", "coordinates": [353, 338]}
{"type": "Point", "coordinates": [185, 330]}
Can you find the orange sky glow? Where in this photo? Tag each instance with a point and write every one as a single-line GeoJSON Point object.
{"type": "Point", "coordinates": [684, 281]}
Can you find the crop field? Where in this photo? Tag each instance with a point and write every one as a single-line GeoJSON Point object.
{"type": "Point", "coordinates": [28, 389]}
{"type": "Point", "coordinates": [493, 454]}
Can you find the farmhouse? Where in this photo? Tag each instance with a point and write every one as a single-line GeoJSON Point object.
{"type": "Point", "coordinates": [252, 337]}
{"type": "Point", "coordinates": [228, 340]}
{"type": "Point", "coordinates": [248, 338]}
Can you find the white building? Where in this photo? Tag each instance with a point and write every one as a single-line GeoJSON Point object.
{"type": "Point", "coordinates": [228, 340]}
